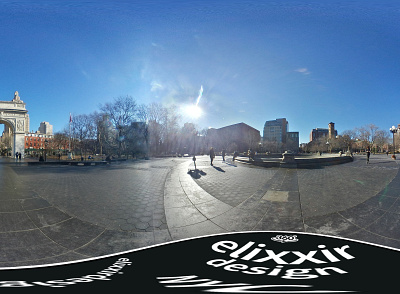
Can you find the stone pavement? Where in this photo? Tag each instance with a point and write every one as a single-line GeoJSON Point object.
{"type": "Point", "coordinates": [51, 214]}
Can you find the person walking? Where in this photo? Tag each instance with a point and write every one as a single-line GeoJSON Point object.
{"type": "Point", "coordinates": [235, 154]}
{"type": "Point", "coordinates": [223, 154]}
{"type": "Point", "coordinates": [212, 155]}
{"type": "Point", "coordinates": [252, 155]}
{"type": "Point", "coordinates": [368, 154]}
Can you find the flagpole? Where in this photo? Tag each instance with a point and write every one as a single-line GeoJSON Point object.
{"type": "Point", "coordinates": [69, 145]}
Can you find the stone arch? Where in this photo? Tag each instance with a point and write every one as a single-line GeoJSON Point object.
{"type": "Point", "coordinates": [14, 116]}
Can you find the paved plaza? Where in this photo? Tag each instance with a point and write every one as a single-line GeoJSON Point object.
{"type": "Point", "coordinates": [58, 213]}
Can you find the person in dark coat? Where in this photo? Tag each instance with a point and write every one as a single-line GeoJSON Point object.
{"type": "Point", "coordinates": [223, 154]}
{"type": "Point", "coordinates": [235, 154]}
{"type": "Point", "coordinates": [368, 154]}
{"type": "Point", "coordinates": [212, 155]}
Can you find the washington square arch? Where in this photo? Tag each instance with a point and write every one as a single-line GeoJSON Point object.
{"type": "Point", "coordinates": [15, 118]}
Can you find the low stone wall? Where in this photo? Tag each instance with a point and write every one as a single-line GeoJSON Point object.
{"type": "Point", "coordinates": [298, 162]}
{"type": "Point", "coordinates": [322, 161]}
{"type": "Point", "coordinates": [77, 163]}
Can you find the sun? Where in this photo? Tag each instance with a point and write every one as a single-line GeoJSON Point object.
{"type": "Point", "coordinates": [193, 111]}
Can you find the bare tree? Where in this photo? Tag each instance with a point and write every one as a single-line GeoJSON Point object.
{"type": "Point", "coordinates": [122, 112]}
{"type": "Point", "coordinates": [349, 137]}
{"type": "Point", "coordinates": [372, 130]}
{"type": "Point", "coordinates": [162, 125]}
{"type": "Point", "coordinates": [188, 135]}
{"type": "Point", "coordinates": [60, 141]}
{"type": "Point", "coordinates": [364, 135]}
{"type": "Point", "coordinates": [171, 128]}
{"type": "Point", "coordinates": [154, 114]}
{"type": "Point", "coordinates": [82, 131]}
{"type": "Point", "coordinates": [381, 139]}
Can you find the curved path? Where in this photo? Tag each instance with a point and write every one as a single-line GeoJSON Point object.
{"type": "Point", "coordinates": [52, 214]}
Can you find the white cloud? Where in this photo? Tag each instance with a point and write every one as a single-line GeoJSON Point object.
{"type": "Point", "coordinates": [156, 45]}
{"type": "Point", "coordinates": [155, 86]}
{"type": "Point", "coordinates": [303, 71]}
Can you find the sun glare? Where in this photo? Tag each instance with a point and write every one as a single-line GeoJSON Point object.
{"type": "Point", "coordinates": [193, 111]}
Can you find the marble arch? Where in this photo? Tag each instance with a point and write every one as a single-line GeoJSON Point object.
{"type": "Point", "coordinates": [14, 116]}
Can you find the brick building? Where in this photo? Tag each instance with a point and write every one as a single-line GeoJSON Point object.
{"type": "Point", "coordinates": [238, 137]}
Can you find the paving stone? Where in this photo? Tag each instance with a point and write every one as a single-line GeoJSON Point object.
{"type": "Point", "coordinates": [176, 201]}
{"type": "Point", "coordinates": [47, 216]}
{"type": "Point", "coordinates": [332, 224]}
{"type": "Point", "coordinates": [34, 203]}
{"type": "Point", "coordinates": [285, 209]}
{"type": "Point", "coordinates": [273, 223]}
{"type": "Point", "coordinates": [67, 257]}
{"type": "Point", "coordinates": [72, 233]}
{"type": "Point", "coordinates": [183, 216]}
{"type": "Point", "coordinates": [374, 239]}
{"type": "Point", "coordinates": [237, 220]}
{"type": "Point", "coordinates": [388, 225]}
{"type": "Point", "coordinates": [362, 215]}
{"type": "Point", "coordinates": [10, 206]}
{"type": "Point", "coordinates": [213, 208]}
{"type": "Point", "coordinates": [27, 246]}
{"type": "Point", "coordinates": [200, 229]}
{"type": "Point", "coordinates": [116, 241]}
{"type": "Point", "coordinates": [276, 196]}
{"type": "Point", "coordinates": [15, 221]}
{"type": "Point", "coordinates": [381, 201]}
{"type": "Point", "coordinates": [162, 236]}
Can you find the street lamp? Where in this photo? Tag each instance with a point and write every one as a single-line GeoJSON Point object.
{"type": "Point", "coordinates": [393, 130]}
{"type": "Point", "coordinates": [46, 142]}
{"type": "Point", "coordinates": [194, 148]}
{"type": "Point", "coordinates": [328, 147]}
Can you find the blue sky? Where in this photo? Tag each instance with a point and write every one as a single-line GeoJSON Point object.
{"type": "Point", "coordinates": [312, 62]}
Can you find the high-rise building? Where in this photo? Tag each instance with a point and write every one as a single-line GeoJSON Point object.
{"type": "Point", "coordinates": [45, 128]}
{"type": "Point", "coordinates": [330, 132]}
{"type": "Point", "coordinates": [276, 132]}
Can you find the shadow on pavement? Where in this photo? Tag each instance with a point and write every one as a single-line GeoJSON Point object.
{"type": "Point", "coordinates": [218, 169]}
{"type": "Point", "coordinates": [230, 164]}
{"type": "Point", "coordinates": [196, 173]}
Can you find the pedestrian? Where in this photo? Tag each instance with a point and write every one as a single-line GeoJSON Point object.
{"type": "Point", "coordinates": [212, 155]}
{"type": "Point", "coordinates": [223, 154]}
{"type": "Point", "coordinates": [235, 154]}
{"type": "Point", "coordinates": [19, 155]}
{"type": "Point", "coordinates": [387, 153]}
{"type": "Point", "coordinates": [194, 162]}
{"type": "Point", "coordinates": [368, 154]}
{"type": "Point", "coordinates": [252, 154]}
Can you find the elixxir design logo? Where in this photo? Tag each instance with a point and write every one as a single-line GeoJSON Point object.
{"type": "Point", "coordinates": [258, 259]}
{"type": "Point", "coordinates": [285, 238]}
{"type": "Point", "coordinates": [243, 262]}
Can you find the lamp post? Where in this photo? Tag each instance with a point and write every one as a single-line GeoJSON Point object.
{"type": "Point", "coordinates": [46, 142]}
{"type": "Point", "coordinates": [393, 130]}
{"type": "Point", "coordinates": [328, 147]}
{"type": "Point", "coordinates": [194, 148]}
